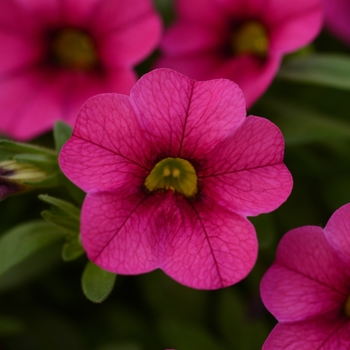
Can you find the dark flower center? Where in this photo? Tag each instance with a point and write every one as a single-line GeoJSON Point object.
{"type": "Point", "coordinates": [73, 49]}
{"type": "Point", "coordinates": [251, 37]}
{"type": "Point", "coordinates": [174, 174]}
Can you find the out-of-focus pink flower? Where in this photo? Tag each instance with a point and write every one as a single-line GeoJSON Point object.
{"type": "Point", "coordinates": [171, 173]}
{"type": "Point", "coordinates": [55, 54]}
{"type": "Point", "coordinates": [308, 287]}
{"type": "Point", "coordinates": [241, 40]}
{"type": "Point", "coordinates": [337, 18]}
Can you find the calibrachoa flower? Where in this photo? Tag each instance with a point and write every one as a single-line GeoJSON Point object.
{"type": "Point", "coordinates": [56, 54]}
{"type": "Point", "coordinates": [308, 287]}
{"type": "Point", "coordinates": [337, 18]}
{"type": "Point", "coordinates": [241, 40]}
{"type": "Point", "coordinates": [170, 173]}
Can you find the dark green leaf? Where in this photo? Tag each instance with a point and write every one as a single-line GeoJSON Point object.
{"type": "Point", "coordinates": [62, 132]}
{"type": "Point", "coordinates": [328, 69]}
{"type": "Point", "coordinates": [48, 163]}
{"type": "Point", "coordinates": [19, 147]}
{"type": "Point", "coordinates": [24, 240]}
{"type": "Point", "coordinates": [97, 283]}
{"type": "Point", "coordinates": [66, 207]}
{"type": "Point", "coordinates": [72, 249]}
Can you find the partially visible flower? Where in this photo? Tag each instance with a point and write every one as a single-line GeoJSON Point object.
{"type": "Point", "coordinates": [337, 18]}
{"type": "Point", "coordinates": [14, 177]}
{"type": "Point", "coordinates": [171, 173]}
{"type": "Point", "coordinates": [241, 40]}
{"type": "Point", "coordinates": [308, 287]}
{"type": "Point", "coordinates": [56, 54]}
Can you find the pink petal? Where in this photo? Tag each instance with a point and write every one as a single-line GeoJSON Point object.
{"type": "Point", "coordinates": [206, 246]}
{"type": "Point", "coordinates": [306, 279]}
{"type": "Point", "coordinates": [337, 232]}
{"type": "Point", "coordinates": [18, 51]}
{"type": "Point", "coordinates": [130, 43]}
{"type": "Point", "coordinates": [177, 41]}
{"type": "Point", "coordinates": [337, 15]}
{"type": "Point", "coordinates": [245, 173]}
{"type": "Point", "coordinates": [197, 67]}
{"type": "Point", "coordinates": [107, 150]}
{"type": "Point", "coordinates": [252, 74]}
{"type": "Point", "coordinates": [79, 12]}
{"type": "Point", "coordinates": [200, 245]}
{"type": "Point", "coordinates": [184, 118]}
{"type": "Point", "coordinates": [292, 24]}
{"type": "Point", "coordinates": [324, 333]}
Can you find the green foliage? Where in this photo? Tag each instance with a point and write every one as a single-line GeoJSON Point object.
{"type": "Point", "coordinates": [62, 132]}
{"type": "Point", "coordinates": [24, 240]}
{"type": "Point", "coordinates": [97, 283]}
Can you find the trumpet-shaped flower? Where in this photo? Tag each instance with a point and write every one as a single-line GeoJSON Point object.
{"type": "Point", "coordinates": [171, 173]}
{"type": "Point", "coordinates": [241, 40]}
{"type": "Point", "coordinates": [308, 287]}
{"type": "Point", "coordinates": [56, 54]}
{"type": "Point", "coordinates": [337, 18]}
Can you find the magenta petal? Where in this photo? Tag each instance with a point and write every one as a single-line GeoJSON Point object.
{"type": "Point", "coordinates": [307, 277]}
{"type": "Point", "coordinates": [245, 173]}
{"type": "Point", "coordinates": [116, 234]}
{"type": "Point", "coordinates": [292, 24]}
{"type": "Point", "coordinates": [107, 148]}
{"type": "Point", "coordinates": [337, 232]}
{"type": "Point", "coordinates": [186, 118]}
{"type": "Point", "coordinates": [203, 245]}
{"type": "Point", "coordinates": [326, 333]}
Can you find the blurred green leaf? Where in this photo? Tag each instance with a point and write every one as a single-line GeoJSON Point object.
{"type": "Point", "coordinates": [97, 283]}
{"type": "Point", "coordinates": [64, 206]}
{"type": "Point", "coordinates": [24, 240]}
{"type": "Point", "coordinates": [332, 70]}
{"type": "Point", "coordinates": [62, 132]}
{"type": "Point", "coordinates": [72, 249]}
{"type": "Point", "coordinates": [9, 325]}
{"type": "Point", "coordinates": [20, 147]}
{"type": "Point", "coordinates": [301, 124]}
{"type": "Point", "coordinates": [42, 161]}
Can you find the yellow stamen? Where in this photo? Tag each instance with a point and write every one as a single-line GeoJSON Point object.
{"type": "Point", "coordinates": [174, 174]}
{"type": "Point", "coordinates": [73, 48]}
{"type": "Point", "coordinates": [250, 38]}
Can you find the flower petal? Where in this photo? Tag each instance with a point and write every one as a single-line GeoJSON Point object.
{"type": "Point", "coordinates": [323, 333]}
{"type": "Point", "coordinates": [245, 173]}
{"type": "Point", "coordinates": [107, 148]}
{"type": "Point", "coordinates": [200, 245]}
{"type": "Point", "coordinates": [206, 246]}
{"type": "Point", "coordinates": [337, 232]}
{"type": "Point", "coordinates": [306, 279]}
{"type": "Point", "coordinates": [185, 118]}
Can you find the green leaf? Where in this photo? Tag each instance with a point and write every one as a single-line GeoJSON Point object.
{"type": "Point", "coordinates": [48, 163]}
{"type": "Point", "coordinates": [62, 220]}
{"type": "Point", "coordinates": [9, 325]}
{"type": "Point", "coordinates": [97, 283]}
{"type": "Point", "coordinates": [24, 240]}
{"type": "Point", "coordinates": [327, 69]}
{"type": "Point", "coordinates": [62, 132]}
{"type": "Point", "coordinates": [72, 249]}
{"type": "Point", "coordinates": [301, 124]}
{"type": "Point", "coordinates": [66, 207]}
{"type": "Point", "coordinates": [19, 147]}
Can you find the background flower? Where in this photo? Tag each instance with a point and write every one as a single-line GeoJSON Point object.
{"type": "Point", "coordinates": [56, 54]}
{"type": "Point", "coordinates": [202, 239]}
{"type": "Point", "coordinates": [337, 18]}
{"type": "Point", "coordinates": [308, 287]}
{"type": "Point", "coordinates": [242, 40]}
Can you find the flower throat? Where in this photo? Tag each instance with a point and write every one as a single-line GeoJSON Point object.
{"type": "Point", "coordinates": [174, 174]}
{"type": "Point", "coordinates": [73, 49]}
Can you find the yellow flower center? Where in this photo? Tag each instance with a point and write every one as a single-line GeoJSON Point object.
{"type": "Point", "coordinates": [74, 49]}
{"type": "Point", "coordinates": [250, 38]}
{"type": "Point", "coordinates": [347, 307]}
{"type": "Point", "coordinates": [174, 174]}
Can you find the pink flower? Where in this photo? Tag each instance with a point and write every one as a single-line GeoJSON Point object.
{"type": "Point", "coordinates": [337, 18]}
{"type": "Point", "coordinates": [56, 54]}
{"type": "Point", "coordinates": [308, 287]}
{"type": "Point", "coordinates": [242, 40]}
{"type": "Point", "coordinates": [170, 173]}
